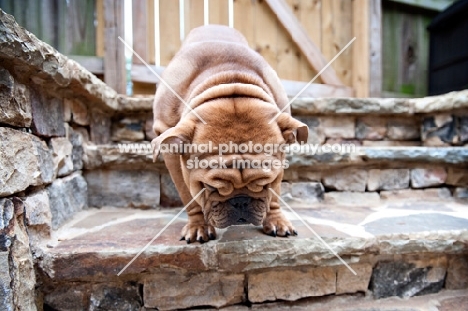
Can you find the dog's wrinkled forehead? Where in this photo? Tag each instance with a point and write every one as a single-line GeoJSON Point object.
{"type": "Point", "coordinates": [238, 120]}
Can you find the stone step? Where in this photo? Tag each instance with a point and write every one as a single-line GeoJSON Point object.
{"type": "Point", "coordinates": [366, 175]}
{"type": "Point", "coordinates": [138, 155]}
{"type": "Point", "coordinates": [399, 248]}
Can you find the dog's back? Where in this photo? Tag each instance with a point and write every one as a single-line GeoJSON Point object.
{"type": "Point", "coordinates": [215, 33]}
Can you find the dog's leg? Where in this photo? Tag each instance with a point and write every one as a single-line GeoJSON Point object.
{"type": "Point", "coordinates": [275, 223]}
{"type": "Point", "coordinates": [196, 229]}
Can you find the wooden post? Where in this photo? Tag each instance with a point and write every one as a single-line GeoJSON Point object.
{"type": "Point", "coordinates": [114, 49]}
{"type": "Point", "coordinates": [301, 38]}
{"type": "Point", "coordinates": [140, 30]}
{"type": "Point", "coordinates": [375, 83]}
{"type": "Point", "coordinates": [367, 61]}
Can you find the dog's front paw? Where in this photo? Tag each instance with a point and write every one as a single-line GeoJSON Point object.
{"type": "Point", "coordinates": [276, 224]}
{"type": "Point", "coordinates": [200, 232]}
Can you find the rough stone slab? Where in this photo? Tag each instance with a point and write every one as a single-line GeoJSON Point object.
{"type": "Point", "coordinates": [315, 106]}
{"type": "Point", "coordinates": [15, 105]}
{"type": "Point", "coordinates": [137, 104]}
{"type": "Point", "coordinates": [403, 129]}
{"type": "Point", "coordinates": [388, 179]}
{"type": "Point", "coordinates": [343, 127]}
{"type": "Point", "coordinates": [100, 127]}
{"type": "Point", "coordinates": [116, 297]}
{"type": "Point", "coordinates": [442, 301]}
{"type": "Point", "coordinates": [348, 283]}
{"type": "Point", "coordinates": [371, 128]}
{"type": "Point", "coordinates": [73, 297]}
{"type": "Point", "coordinates": [123, 188]}
{"type": "Point", "coordinates": [168, 291]}
{"type": "Point", "coordinates": [25, 161]}
{"type": "Point", "coordinates": [111, 155]}
{"type": "Point", "coordinates": [77, 141]}
{"type": "Point", "coordinates": [67, 196]}
{"type": "Point", "coordinates": [149, 133]}
{"type": "Point", "coordinates": [62, 155]}
{"type": "Point", "coordinates": [23, 279]}
{"type": "Point", "coordinates": [405, 280]}
{"type": "Point", "coordinates": [391, 143]}
{"type": "Point", "coordinates": [78, 111]}
{"type": "Point", "coordinates": [6, 295]}
{"type": "Point", "coordinates": [101, 242]}
{"type": "Point", "coordinates": [347, 106]}
{"type": "Point", "coordinates": [346, 180]}
{"type": "Point", "coordinates": [47, 115]}
{"type": "Point", "coordinates": [127, 130]}
{"type": "Point", "coordinates": [7, 210]}
{"type": "Point", "coordinates": [411, 194]}
{"type": "Point", "coordinates": [277, 284]}
{"type": "Point", "coordinates": [316, 133]}
{"type": "Point", "coordinates": [415, 223]}
{"type": "Point", "coordinates": [399, 106]}
{"type": "Point", "coordinates": [457, 177]}
{"type": "Point", "coordinates": [38, 216]}
{"type": "Point", "coordinates": [453, 155]}
{"type": "Point", "coordinates": [460, 193]}
{"type": "Point", "coordinates": [352, 198]}
{"type": "Point", "coordinates": [423, 178]}
{"type": "Point", "coordinates": [307, 192]}
{"type": "Point", "coordinates": [457, 274]}
{"type": "Point", "coordinates": [116, 156]}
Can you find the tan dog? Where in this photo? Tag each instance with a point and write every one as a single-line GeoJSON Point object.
{"type": "Point", "coordinates": [236, 93]}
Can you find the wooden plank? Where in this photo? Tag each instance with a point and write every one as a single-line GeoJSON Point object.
{"type": "Point", "coordinates": [93, 64]}
{"type": "Point", "coordinates": [266, 33]}
{"type": "Point", "coordinates": [142, 74]}
{"type": "Point", "coordinates": [114, 66]}
{"type": "Point", "coordinates": [310, 16]}
{"type": "Point", "coordinates": [193, 14]}
{"type": "Point", "coordinates": [151, 29]}
{"type": "Point", "coordinates": [49, 21]}
{"type": "Point", "coordinates": [337, 35]}
{"type": "Point", "coordinates": [360, 52]}
{"type": "Point", "coordinates": [375, 41]}
{"type": "Point", "coordinates": [244, 19]}
{"type": "Point", "coordinates": [218, 12]}
{"type": "Point", "coordinates": [140, 31]}
{"type": "Point", "coordinates": [300, 37]}
{"type": "Point", "coordinates": [316, 90]}
{"type": "Point", "coordinates": [288, 55]}
{"type": "Point", "coordinates": [100, 28]}
{"type": "Point", "coordinates": [169, 21]}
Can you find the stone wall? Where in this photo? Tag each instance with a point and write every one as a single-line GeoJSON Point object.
{"type": "Point", "coordinates": [422, 145]}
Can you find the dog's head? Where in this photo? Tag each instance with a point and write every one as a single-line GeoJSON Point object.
{"type": "Point", "coordinates": [236, 156]}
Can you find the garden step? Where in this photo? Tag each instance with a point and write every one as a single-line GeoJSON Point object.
{"type": "Point", "coordinates": [98, 156]}
{"type": "Point", "coordinates": [399, 248]}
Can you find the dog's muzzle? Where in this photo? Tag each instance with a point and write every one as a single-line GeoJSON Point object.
{"type": "Point", "coordinates": [238, 210]}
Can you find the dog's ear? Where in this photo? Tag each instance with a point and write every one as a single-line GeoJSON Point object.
{"type": "Point", "coordinates": [292, 129]}
{"type": "Point", "coordinates": [173, 140]}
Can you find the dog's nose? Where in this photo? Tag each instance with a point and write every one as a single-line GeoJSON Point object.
{"type": "Point", "coordinates": [240, 202]}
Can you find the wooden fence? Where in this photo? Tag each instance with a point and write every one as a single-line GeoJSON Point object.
{"type": "Point", "coordinates": [297, 37]}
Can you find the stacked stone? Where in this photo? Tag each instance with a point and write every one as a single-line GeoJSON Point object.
{"type": "Point", "coordinates": [41, 185]}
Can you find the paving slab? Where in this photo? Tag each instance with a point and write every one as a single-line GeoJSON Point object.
{"type": "Point", "coordinates": [102, 241]}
